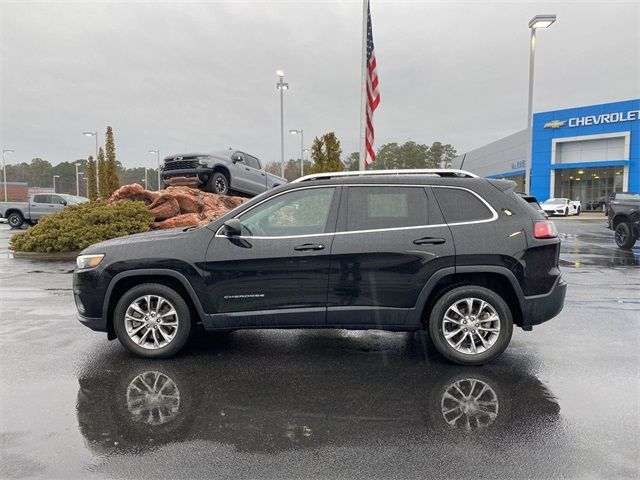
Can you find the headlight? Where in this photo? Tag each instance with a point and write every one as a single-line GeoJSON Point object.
{"type": "Point", "coordinates": [89, 261]}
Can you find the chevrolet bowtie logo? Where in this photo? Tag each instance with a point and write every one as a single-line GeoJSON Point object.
{"type": "Point", "coordinates": [554, 124]}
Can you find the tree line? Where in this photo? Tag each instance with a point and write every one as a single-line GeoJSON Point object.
{"type": "Point", "coordinates": [101, 177]}
{"type": "Point", "coordinates": [98, 178]}
{"type": "Point", "coordinates": [326, 156]}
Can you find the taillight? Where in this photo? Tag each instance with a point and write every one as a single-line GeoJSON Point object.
{"type": "Point", "coordinates": [545, 229]}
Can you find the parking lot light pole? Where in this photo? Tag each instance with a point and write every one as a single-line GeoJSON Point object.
{"type": "Point", "coordinates": [94, 134]}
{"type": "Point", "coordinates": [54, 182]}
{"type": "Point", "coordinates": [156, 152]}
{"type": "Point", "coordinates": [282, 86]}
{"type": "Point", "coordinates": [539, 21]}
{"type": "Point", "coordinates": [4, 170]}
{"type": "Point", "coordinates": [301, 132]}
{"type": "Point", "coordinates": [77, 180]}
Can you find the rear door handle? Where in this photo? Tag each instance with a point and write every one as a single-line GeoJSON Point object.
{"type": "Point", "coordinates": [308, 247]}
{"type": "Point", "coordinates": [429, 241]}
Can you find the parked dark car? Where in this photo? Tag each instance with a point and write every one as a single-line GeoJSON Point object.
{"type": "Point", "coordinates": [624, 218]}
{"type": "Point", "coordinates": [619, 196]}
{"type": "Point", "coordinates": [221, 172]}
{"type": "Point", "coordinates": [464, 257]}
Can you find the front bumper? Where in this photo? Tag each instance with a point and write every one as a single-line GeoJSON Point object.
{"type": "Point", "coordinates": [537, 309]}
{"type": "Point", "coordinates": [559, 211]}
{"type": "Point", "coordinates": [192, 177]}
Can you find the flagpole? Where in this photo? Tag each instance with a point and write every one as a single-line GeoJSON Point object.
{"type": "Point", "coordinates": [363, 86]}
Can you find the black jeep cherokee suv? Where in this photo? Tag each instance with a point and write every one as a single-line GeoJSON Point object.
{"type": "Point", "coordinates": [442, 250]}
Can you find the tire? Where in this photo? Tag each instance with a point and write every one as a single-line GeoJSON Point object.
{"type": "Point", "coordinates": [624, 236]}
{"type": "Point", "coordinates": [15, 220]}
{"type": "Point", "coordinates": [472, 349]}
{"type": "Point", "coordinates": [578, 212]}
{"type": "Point", "coordinates": [155, 340]}
{"type": "Point", "coordinates": [219, 183]}
{"type": "Point", "coordinates": [566, 212]}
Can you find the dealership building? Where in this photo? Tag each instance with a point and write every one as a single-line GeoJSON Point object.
{"type": "Point", "coordinates": [583, 153]}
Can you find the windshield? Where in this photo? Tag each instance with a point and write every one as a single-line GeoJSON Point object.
{"type": "Point", "coordinates": [556, 200]}
{"type": "Point", "coordinates": [627, 196]}
{"type": "Point", "coordinates": [222, 153]}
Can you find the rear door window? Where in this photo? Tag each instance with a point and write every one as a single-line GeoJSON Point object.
{"type": "Point", "coordinates": [386, 207]}
{"type": "Point", "coordinates": [42, 199]}
{"type": "Point", "coordinates": [460, 206]}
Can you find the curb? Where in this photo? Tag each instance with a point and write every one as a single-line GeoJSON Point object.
{"type": "Point", "coordinates": [52, 257]}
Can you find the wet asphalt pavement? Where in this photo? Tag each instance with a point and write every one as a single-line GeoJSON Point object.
{"type": "Point", "coordinates": [562, 401]}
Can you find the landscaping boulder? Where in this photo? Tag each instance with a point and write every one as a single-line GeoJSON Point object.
{"type": "Point", "coordinates": [178, 206]}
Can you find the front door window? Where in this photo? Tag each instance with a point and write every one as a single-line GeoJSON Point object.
{"type": "Point", "coordinates": [298, 213]}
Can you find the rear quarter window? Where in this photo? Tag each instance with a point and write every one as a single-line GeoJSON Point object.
{"type": "Point", "coordinates": [459, 205]}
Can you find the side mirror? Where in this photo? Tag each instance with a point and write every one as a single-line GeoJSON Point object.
{"type": "Point", "coordinates": [232, 227]}
{"type": "Point", "coordinates": [236, 159]}
{"type": "Point", "coordinates": [64, 203]}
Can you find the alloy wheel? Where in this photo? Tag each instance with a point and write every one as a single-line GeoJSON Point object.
{"type": "Point", "coordinates": [220, 185]}
{"type": "Point", "coordinates": [151, 322]}
{"type": "Point", "coordinates": [471, 326]}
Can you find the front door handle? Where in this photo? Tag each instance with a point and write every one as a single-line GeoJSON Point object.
{"type": "Point", "coordinates": [429, 241]}
{"type": "Point", "coordinates": [308, 247]}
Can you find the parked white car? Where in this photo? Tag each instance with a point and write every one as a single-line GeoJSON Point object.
{"type": "Point", "coordinates": [562, 206]}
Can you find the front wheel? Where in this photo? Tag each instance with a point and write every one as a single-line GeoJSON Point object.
{"type": "Point", "coordinates": [152, 321]}
{"type": "Point", "coordinates": [15, 220]}
{"type": "Point", "coordinates": [219, 183]}
{"type": "Point", "coordinates": [624, 236]}
{"type": "Point", "coordinates": [471, 325]}
{"type": "Point", "coordinates": [566, 212]}
{"type": "Point", "coordinates": [578, 211]}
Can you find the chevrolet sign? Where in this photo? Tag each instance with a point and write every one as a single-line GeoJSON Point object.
{"type": "Point", "coordinates": [554, 124]}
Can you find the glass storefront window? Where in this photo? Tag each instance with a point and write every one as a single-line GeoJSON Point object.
{"type": "Point", "coordinates": [589, 185]}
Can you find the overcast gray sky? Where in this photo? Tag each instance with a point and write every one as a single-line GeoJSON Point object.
{"type": "Point", "coordinates": [199, 76]}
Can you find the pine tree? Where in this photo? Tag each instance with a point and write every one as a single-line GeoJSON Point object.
{"type": "Point", "coordinates": [103, 181]}
{"type": "Point", "coordinates": [92, 185]}
{"type": "Point", "coordinates": [112, 168]}
{"type": "Point", "coordinates": [326, 153]}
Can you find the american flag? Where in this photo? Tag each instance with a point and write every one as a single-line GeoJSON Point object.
{"type": "Point", "coordinates": [373, 96]}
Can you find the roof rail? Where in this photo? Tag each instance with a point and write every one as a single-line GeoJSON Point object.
{"type": "Point", "coordinates": [436, 172]}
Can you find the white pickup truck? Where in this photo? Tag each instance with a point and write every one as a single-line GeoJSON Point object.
{"type": "Point", "coordinates": [39, 205]}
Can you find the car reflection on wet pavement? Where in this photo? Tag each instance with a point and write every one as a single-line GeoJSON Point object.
{"type": "Point", "coordinates": [562, 401]}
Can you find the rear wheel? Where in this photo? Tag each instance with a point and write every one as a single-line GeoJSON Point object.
{"type": "Point", "coordinates": [470, 325]}
{"type": "Point", "coordinates": [624, 236]}
{"type": "Point", "coordinates": [15, 220]}
{"type": "Point", "coordinates": [152, 321]}
{"type": "Point", "coordinates": [578, 212]}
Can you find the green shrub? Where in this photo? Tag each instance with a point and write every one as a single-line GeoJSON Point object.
{"type": "Point", "coordinates": [76, 227]}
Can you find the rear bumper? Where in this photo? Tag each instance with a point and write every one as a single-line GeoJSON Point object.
{"type": "Point", "coordinates": [540, 308]}
{"type": "Point", "coordinates": [97, 324]}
